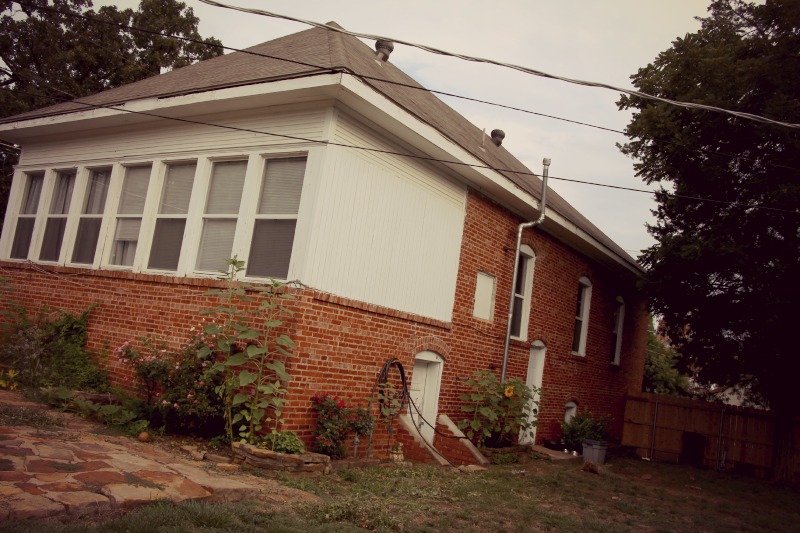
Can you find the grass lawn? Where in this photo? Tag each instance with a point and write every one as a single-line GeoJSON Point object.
{"type": "Point", "coordinates": [630, 495]}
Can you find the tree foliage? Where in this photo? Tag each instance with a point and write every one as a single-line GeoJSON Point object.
{"type": "Point", "coordinates": [55, 50]}
{"type": "Point", "coordinates": [661, 374]}
{"type": "Point", "coordinates": [725, 274]}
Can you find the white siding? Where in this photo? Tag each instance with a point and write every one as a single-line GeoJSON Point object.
{"type": "Point", "coordinates": [387, 230]}
{"type": "Point", "coordinates": [166, 137]}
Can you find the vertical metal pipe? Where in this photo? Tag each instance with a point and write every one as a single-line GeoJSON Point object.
{"type": "Point", "coordinates": [520, 228]}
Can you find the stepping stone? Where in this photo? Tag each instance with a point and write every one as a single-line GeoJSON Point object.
{"type": "Point", "coordinates": [49, 478]}
{"type": "Point", "coordinates": [15, 450]}
{"type": "Point", "coordinates": [99, 478]}
{"type": "Point", "coordinates": [82, 503]}
{"type": "Point", "coordinates": [24, 506]}
{"type": "Point", "coordinates": [222, 488]}
{"type": "Point", "coordinates": [61, 487]}
{"type": "Point", "coordinates": [39, 466]}
{"type": "Point", "coordinates": [9, 490]}
{"type": "Point", "coordinates": [30, 488]}
{"type": "Point", "coordinates": [14, 476]}
{"type": "Point", "coordinates": [54, 452]}
{"type": "Point", "coordinates": [126, 496]}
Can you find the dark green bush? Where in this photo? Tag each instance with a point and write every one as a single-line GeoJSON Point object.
{"type": "Point", "coordinates": [48, 350]}
{"type": "Point", "coordinates": [583, 426]}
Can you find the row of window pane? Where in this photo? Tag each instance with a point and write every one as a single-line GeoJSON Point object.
{"type": "Point", "coordinates": [272, 238]}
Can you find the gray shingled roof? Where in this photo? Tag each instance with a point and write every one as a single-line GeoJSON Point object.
{"type": "Point", "coordinates": [317, 51]}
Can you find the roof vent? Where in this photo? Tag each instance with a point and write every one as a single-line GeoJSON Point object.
{"type": "Point", "coordinates": [498, 136]}
{"type": "Point", "coordinates": [384, 48]}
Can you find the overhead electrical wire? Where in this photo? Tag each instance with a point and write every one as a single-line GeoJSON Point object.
{"type": "Point", "coordinates": [399, 154]}
{"type": "Point", "coordinates": [392, 82]}
{"type": "Point", "coordinates": [520, 68]}
{"type": "Point", "coordinates": [387, 152]}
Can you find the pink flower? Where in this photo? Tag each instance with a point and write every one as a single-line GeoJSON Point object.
{"type": "Point", "coordinates": [175, 405]}
{"type": "Point", "coordinates": [202, 382]}
{"type": "Point", "coordinates": [163, 402]}
{"type": "Point", "coordinates": [195, 401]}
{"type": "Point", "coordinates": [189, 395]}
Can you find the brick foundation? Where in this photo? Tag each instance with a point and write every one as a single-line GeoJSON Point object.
{"type": "Point", "coordinates": [342, 344]}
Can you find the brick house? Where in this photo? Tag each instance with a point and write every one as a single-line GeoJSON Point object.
{"type": "Point", "coordinates": [384, 204]}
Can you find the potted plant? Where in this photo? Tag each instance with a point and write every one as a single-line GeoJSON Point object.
{"type": "Point", "coordinates": [396, 453]}
{"type": "Point", "coordinates": [587, 433]}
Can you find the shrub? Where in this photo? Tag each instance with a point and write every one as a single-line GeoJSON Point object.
{"type": "Point", "coordinates": [583, 426]}
{"type": "Point", "coordinates": [503, 458]}
{"type": "Point", "coordinates": [48, 349]}
{"type": "Point", "coordinates": [282, 442]}
{"type": "Point", "coordinates": [178, 389]}
{"type": "Point", "coordinates": [500, 411]}
{"type": "Point", "coordinates": [336, 420]}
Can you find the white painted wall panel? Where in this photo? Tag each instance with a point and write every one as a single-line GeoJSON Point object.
{"type": "Point", "coordinates": [387, 229]}
{"type": "Point", "coordinates": [170, 137]}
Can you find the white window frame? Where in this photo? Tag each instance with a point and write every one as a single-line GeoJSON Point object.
{"type": "Point", "coordinates": [256, 161]}
{"type": "Point", "coordinates": [18, 214]}
{"type": "Point", "coordinates": [50, 180]}
{"type": "Point", "coordinates": [526, 292]}
{"type": "Point", "coordinates": [581, 326]}
{"type": "Point", "coordinates": [619, 320]}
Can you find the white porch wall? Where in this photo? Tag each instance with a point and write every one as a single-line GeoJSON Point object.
{"type": "Point", "coordinates": [374, 227]}
{"type": "Point", "coordinates": [387, 230]}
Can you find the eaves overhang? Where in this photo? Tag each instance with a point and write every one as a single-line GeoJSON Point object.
{"type": "Point", "coordinates": [428, 143]}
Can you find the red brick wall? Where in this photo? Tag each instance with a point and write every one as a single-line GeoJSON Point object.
{"type": "Point", "coordinates": [342, 344]}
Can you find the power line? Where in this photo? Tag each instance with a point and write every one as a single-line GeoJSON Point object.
{"type": "Point", "coordinates": [388, 152]}
{"type": "Point", "coordinates": [361, 76]}
{"type": "Point", "coordinates": [520, 68]}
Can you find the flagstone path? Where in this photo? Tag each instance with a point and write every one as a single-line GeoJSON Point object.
{"type": "Point", "coordinates": [72, 470]}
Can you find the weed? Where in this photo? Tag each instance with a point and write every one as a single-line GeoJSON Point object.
{"type": "Point", "coordinates": [12, 415]}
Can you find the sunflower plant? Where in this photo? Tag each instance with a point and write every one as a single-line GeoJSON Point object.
{"type": "Point", "coordinates": [500, 411]}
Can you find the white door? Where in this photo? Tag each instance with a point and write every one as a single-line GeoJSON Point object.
{"type": "Point", "coordinates": [424, 392]}
{"type": "Point", "coordinates": [534, 379]}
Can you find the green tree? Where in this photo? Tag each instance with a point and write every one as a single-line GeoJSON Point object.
{"type": "Point", "coordinates": [55, 50]}
{"type": "Point", "coordinates": [661, 374]}
{"type": "Point", "coordinates": [725, 275]}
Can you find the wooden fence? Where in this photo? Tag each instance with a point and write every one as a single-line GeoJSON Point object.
{"type": "Point", "coordinates": [706, 434]}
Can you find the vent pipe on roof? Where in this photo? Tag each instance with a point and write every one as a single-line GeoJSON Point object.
{"type": "Point", "coordinates": [384, 48]}
{"type": "Point", "coordinates": [498, 136]}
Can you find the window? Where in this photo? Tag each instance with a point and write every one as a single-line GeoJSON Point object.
{"type": "Point", "coordinates": [94, 204]}
{"type": "Point", "coordinates": [484, 296]}
{"type": "Point", "coordinates": [616, 332]}
{"type": "Point", "coordinates": [27, 216]}
{"type": "Point", "coordinates": [171, 219]}
{"type": "Point", "coordinates": [570, 410]}
{"type": "Point", "coordinates": [220, 215]}
{"type": "Point", "coordinates": [129, 215]}
{"type": "Point", "coordinates": [57, 216]}
{"type": "Point", "coordinates": [276, 218]}
{"type": "Point", "coordinates": [523, 285]}
{"type": "Point", "coordinates": [581, 317]}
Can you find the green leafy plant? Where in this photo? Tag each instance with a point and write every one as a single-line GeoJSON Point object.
{"type": "Point", "coordinates": [48, 349]}
{"type": "Point", "coordinates": [281, 442]}
{"type": "Point", "coordinates": [500, 411]}
{"type": "Point", "coordinates": [503, 458]}
{"type": "Point", "coordinates": [8, 379]}
{"type": "Point", "coordinates": [583, 426]}
{"type": "Point", "coordinates": [253, 377]}
{"type": "Point", "coordinates": [336, 420]}
{"type": "Point", "coordinates": [179, 392]}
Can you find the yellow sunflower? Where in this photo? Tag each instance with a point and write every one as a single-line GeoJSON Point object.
{"type": "Point", "coordinates": [509, 392]}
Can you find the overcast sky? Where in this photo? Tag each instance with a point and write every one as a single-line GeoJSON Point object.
{"type": "Point", "coordinates": [604, 41]}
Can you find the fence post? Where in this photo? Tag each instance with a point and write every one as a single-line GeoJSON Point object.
{"type": "Point", "coordinates": [719, 439]}
{"type": "Point", "coordinates": [653, 434]}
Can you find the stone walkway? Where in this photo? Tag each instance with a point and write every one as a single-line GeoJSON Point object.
{"type": "Point", "coordinates": [70, 469]}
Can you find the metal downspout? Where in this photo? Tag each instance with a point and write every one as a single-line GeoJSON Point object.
{"type": "Point", "coordinates": [523, 226]}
